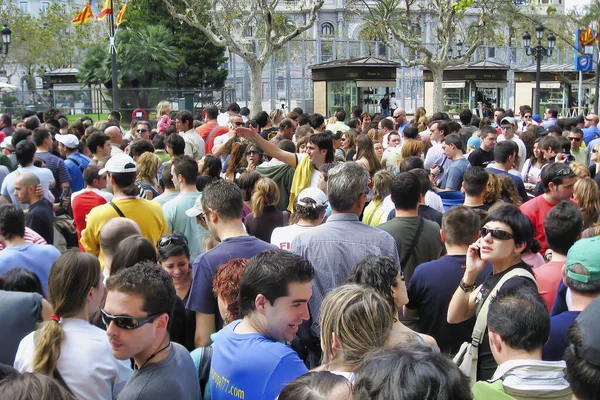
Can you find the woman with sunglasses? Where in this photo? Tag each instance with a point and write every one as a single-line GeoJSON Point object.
{"type": "Point", "coordinates": [68, 347]}
{"type": "Point", "coordinates": [594, 162]}
{"type": "Point", "coordinates": [505, 235]}
{"type": "Point", "coordinates": [381, 273]}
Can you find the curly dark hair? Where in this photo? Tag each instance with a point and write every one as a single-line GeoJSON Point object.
{"type": "Point", "coordinates": [379, 273]}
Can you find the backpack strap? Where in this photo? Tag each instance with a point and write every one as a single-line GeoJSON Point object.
{"type": "Point", "coordinates": [117, 209]}
{"type": "Point", "coordinates": [204, 368]}
{"type": "Point", "coordinates": [76, 163]}
{"type": "Point", "coordinates": [212, 132]}
{"type": "Point", "coordinates": [413, 244]}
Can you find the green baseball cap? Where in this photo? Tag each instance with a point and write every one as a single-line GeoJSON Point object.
{"type": "Point", "coordinates": [585, 252]}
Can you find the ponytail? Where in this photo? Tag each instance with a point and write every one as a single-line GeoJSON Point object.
{"type": "Point", "coordinates": [266, 192]}
{"type": "Point", "coordinates": [47, 348]}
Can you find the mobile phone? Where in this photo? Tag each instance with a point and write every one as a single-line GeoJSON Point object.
{"type": "Point", "coordinates": [478, 251]}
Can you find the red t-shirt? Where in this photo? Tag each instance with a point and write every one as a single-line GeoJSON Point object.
{"type": "Point", "coordinates": [82, 203]}
{"type": "Point", "coordinates": [204, 131]}
{"type": "Point", "coordinates": [548, 277]}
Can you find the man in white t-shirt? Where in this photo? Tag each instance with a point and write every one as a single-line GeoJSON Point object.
{"type": "Point", "coordinates": [310, 207]}
{"type": "Point", "coordinates": [508, 125]}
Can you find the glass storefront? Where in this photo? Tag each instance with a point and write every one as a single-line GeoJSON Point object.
{"type": "Point", "coordinates": [341, 94]}
{"type": "Point", "coordinates": [457, 96]}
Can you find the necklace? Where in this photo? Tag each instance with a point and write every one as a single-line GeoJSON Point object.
{"type": "Point", "coordinates": [154, 355]}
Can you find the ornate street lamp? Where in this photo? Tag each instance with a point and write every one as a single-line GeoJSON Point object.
{"type": "Point", "coordinates": [538, 52]}
{"type": "Point", "coordinates": [459, 47]}
{"type": "Point", "coordinates": [5, 37]}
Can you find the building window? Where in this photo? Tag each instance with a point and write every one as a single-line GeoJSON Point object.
{"type": "Point", "coordinates": [24, 6]}
{"type": "Point", "coordinates": [45, 5]}
{"type": "Point", "coordinates": [327, 29]}
{"type": "Point", "coordinates": [491, 52]}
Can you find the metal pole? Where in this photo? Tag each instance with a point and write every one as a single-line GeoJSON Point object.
{"type": "Point", "coordinates": [113, 59]}
{"type": "Point", "coordinates": [597, 82]}
{"type": "Point", "coordinates": [234, 68]}
{"type": "Point", "coordinates": [538, 77]}
{"type": "Point", "coordinates": [580, 94]}
{"type": "Point", "coordinates": [288, 78]}
{"type": "Point", "coordinates": [303, 75]}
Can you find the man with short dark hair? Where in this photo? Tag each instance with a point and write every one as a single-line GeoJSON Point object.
{"type": "Point", "coordinates": [474, 186]}
{"type": "Point", "coordinates": [417, 239]}
{"type": "Point", "coordinates": [550, 116]}
{"type": "Point", "coordinates": [184, 172]}
{"type": "Point", "coordinates": [37, 258]}
{"type": "Point", "coordinates": [581, 274]}
{"type": "Point", "coordinates": [138, 314]}
{"type": "Point", "coordinates": [317, 122]}
{"type": "Point", "coordinates": [170, 191]}
{"type": "Point", "coordinates": [40, 216]}
{"type": "Point", "coordinates": [121, 179]}
{"type": "Point", "coordinates": [558, 182]}
{"type": "Point", "coordinates": [286, 131]}
{"type": "Point", "coordinates": [508, 127]}
{"type": "Point", "coordinates": [274, 292]}
{"type": "Point", "coordinates": [43, 143]}
{"type": "Point", "coordinates": [453, 150]}
{"type": "Point", "coordinates": [194, 144]}
{"type": "Point", "coordinates": [68, 147]}
{"type": "Point", "coordinates": [467, 130]}
{"type": "Point", "coordinates": [484, 154]}
{"type": "Point", "coordinates": [562, 225]}
{"type": "Point", "coordinates": [233, 109]}
{"type": "Point", "coordinates": [581, 356]}
{"type": "Point", "coordinates": [113, 232]}
{"type": "Point", "coordinates": [339, 125]}
{"type": "Point", "coordinates": [504, 157]}
{"type": "Point", "coordinates": [576, 138]}
{"type": "Point", "coordinates": [393, 152]}
{"type": "Point", "coordinates": [347, 187]}
{"type": "Point", "coordinates": [386, 126]}
{"type": "Point", "coordinates": [518, 326]}
{"type": "Point", "coordinates": [211, 129]}
{"type": "Point", "coordinates": [435, 155]}
{"type": "Point", "coordinates": [100, 146]}
{"type": "Point", "coordinates": [220, 209]}
{"type": "Point", "coordinates": [433, 283]}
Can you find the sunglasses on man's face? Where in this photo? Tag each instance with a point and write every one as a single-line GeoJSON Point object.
{"type": "Point", "coordinates": [577, 139]}
{"type": "Point", "coordinates": [126, 322]}
{"type": "Point", "coordinates": [238, 123]}
{"type": "Point", "coordinates": [142, 130]}
{"type": "Point", "coordinates": [527, 116]}
{"type": "Point", "coordinates": [252, 153]}
{"type": "Point", "coordinates": [496, 234]}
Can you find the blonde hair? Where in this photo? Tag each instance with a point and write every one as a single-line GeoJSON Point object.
{"type": "Point", "coordinates": [586, 195]}
{"type": "Point", "coordinates": [302, 141]}
{"type": "Point", "coordinates": [422, 124]}
{"type": "Point", "coordinates": [71, 277]}
{"type": "Point", "coordinates": [351, 139]}
{"type": "Point", "coordinates": [382, 185]}
{"type": "Point", "coordinates": [266, 192]}
{"type": "Point", "coordinates": [578, 168]}
{"type": "Point", "coordinates": [375, 134]}
{"type": "Point", "coordinates": [361, 320]}
{"type": "Point", "coordinates": [147, 167]}
{"type": "Point", "coordinates": [508, 190]}
{"type": "Point", "coordinates": [162, 108]}
{"type": "Point", "coordinates": [412, 147]}
{"type": "Point", "coordinates": [492, 191]}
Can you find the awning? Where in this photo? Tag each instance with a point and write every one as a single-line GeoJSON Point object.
{"type": "Point", "coordinates": [491, 84]}
{"type": "Point", "coordinates": [386, 84]}
{"type": "Point", "coordinates": [453, 85]}
{"type": "Point", "coordinates": [547, 85]}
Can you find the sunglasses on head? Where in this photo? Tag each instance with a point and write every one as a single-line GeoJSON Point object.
{"type": "Point", "coordinates": [172, 239]}
{"type": "Point", "coordinates": [126, 322]}
{"type": "Point", "coordinates": [496, 234]}
{"type": "Point", "coordinates": [565, 172]}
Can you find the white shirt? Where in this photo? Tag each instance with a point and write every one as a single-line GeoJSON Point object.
{"type": "Point", "coordinates": [314, 179]}
{"type": "Point", "coordinates": [522, 149]}
{"type": "Point", "coordinates": [102, 193]}
{"type": "Point", "coordinates": [283, 237]}
{"type": "Point", "coordinates": [194, 144]}
{"type": "Point", "coordinates": [86, 362]}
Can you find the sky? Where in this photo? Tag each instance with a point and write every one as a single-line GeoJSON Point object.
{"type": "Point", "coordinates": [576, 3]}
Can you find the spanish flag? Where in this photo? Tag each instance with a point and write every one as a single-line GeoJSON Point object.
{"type": "Point", "coordinates": [84, 15]}
{"type": "Point", "coordinates": [121, 14]}
{"type": "Point", "coordinates": [106, 10]}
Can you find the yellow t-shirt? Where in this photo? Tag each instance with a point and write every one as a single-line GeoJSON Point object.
{"type": "Point", "coordinates": [147, 214]}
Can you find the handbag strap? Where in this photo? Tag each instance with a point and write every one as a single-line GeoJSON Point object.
{"type": "Point", "coordinates": [117, 209]}
{"type": "Point", "coordinates": [481, 321]}
{"type": "Point", "coordinates": [413, 244]}
{"type": "Point", "coordinates": [211, 133]}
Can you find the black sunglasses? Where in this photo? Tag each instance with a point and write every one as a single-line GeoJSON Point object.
{"type": "Point", "coordinates": [577, 139]}
{"type": "Point", "coordinates": [496, 234]}
{"type": "Point", "coordinates": [142, 130]}
{"type": "Point", "coordinates": [527, 116]}
{"type": "Point", "coordinates": [238, 123]}
{"type": "Point", "coordinates": [252, 152]}
{"type": "Point", "coordinates": [126, 322]}
{"type": "Point", "coordinates": [172, 239]}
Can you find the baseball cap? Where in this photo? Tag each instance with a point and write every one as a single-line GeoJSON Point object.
{"type": "Point", "coordinates": [314, 194]}
{"type": "Point", "coordinates": [68, 140]}
{"type": "Point", "coordinates": [585, 252]}
{"type": "Point", "coordinates": [196, 209]}
{"type": "Point", "coordinates": [588, 322]}
{"type": "Point", "coordinates": [474, 141]}
{"type": "Point", "coordinates": [7, 143]}
{"type": "Point", "coordinates": [536, 118]}
{"type": "Point", "coordinates": [119, 163]}
{"type": "Point", "coordinates": [509, 120]}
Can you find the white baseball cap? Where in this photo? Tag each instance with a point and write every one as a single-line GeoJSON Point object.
{"type": "Point", "coordinates": [68, 140]}
{"type": "Point", "coordinates": [314, 194]}
{"type": "Point", "coordinates": [196, 209]}
{"type": "Point", "coordinates": [7, 143]}
{"type": "Point", "coordinates": [119, 164]}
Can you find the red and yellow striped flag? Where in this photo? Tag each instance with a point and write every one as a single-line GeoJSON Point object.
{"type": "Point", "coordinates": [106, 10]}
{"type": "Point", "coordinates": [121, 14]}
{"type": "Point", "coordinates": [84, 15]}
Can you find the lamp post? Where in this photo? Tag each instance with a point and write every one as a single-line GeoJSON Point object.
{"type": "Point", "coordinates": [538, 52]}
{"type": "Point", "coordinates": [459, 46]}
{"type": "Point", "coordinates": [5, 38]}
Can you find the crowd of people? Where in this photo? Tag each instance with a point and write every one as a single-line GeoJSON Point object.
{"type": "Point", "coordinates": [226, 255]}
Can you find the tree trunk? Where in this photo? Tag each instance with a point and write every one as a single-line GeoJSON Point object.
{"type": "Point", "coordinates": [438, 97]}
{"type": "Point", "coordinates": [256, 70]}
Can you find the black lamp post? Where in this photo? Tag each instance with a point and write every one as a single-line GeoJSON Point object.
{"type": "Point", "coordinates": [538, 52]}
{"type": "Point", "coordinates": [459, 47]}
{"type": "Point", "coordinates": [5, 37]}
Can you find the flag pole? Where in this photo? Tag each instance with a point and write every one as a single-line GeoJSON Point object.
{"type": "Point", "coordinates": [113, 61]}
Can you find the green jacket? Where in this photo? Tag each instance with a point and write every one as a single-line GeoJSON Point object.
{"type": "Point", "coordinates": [283, 175]}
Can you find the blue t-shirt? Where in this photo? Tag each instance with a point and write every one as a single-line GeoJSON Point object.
{"type": "Point", "coordinates": [590, 134]}
{"type": "Point", "coordinates": [76, 171]}
{"type": "Point", "coordinates": [201, 298]}
{"type": "Point", "coordinates": [37, 258]}
{"type": "Point", "coordinates": [251, 366]}
{"type": "Point", "coordinates": [554, 349]}
{"type": "Point", "coordinates": [454, 175]}
{"type": "Point", "coordinates": [430, 290]}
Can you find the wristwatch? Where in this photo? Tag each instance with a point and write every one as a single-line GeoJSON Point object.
{"type": "Point", "coordinates": [466, 288]}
